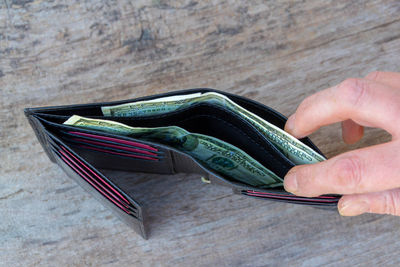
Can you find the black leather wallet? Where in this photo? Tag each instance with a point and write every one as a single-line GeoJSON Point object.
{"type": "Point", "coordinates": [82, 152]}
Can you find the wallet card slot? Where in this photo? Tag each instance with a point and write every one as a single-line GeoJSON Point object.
{"type": "Point", "coordinates": [163, 164]}
{"type": "Point", "coordinates": [101, 182]}
{"type": "Point", "coordinates": [57, 145]}
{"type": "Point", "coordinates": [113, 152]}
{"type": "Point", "coordinates": [79, 168]}
{"type": "Point", "coordinates": [112, 148]}
{"type": "Point", "coordinates": [52, 116]}
{"type": "Point", "coordinates": [321, 200]}
{"type": "Point", "coordinates": [120, 143]}
{"type": "Point", "coordinates": [108, 138]}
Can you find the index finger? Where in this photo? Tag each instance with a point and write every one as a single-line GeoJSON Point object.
{"type": "Point", "coordinates": [388, 78]}
{"type": "Point", "coordinates": [366, 102]}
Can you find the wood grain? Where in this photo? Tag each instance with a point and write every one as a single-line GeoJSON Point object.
{"type": "Point", "coordinates": [276, 52]}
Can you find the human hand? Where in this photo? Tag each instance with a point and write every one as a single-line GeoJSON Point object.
{"type": "Point", "coordinates": [368, 178]}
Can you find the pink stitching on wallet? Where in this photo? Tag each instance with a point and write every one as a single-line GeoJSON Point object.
{"type": "Point", "coordinates": [121, 141]}
{"type": "Point", "coordinates": [96, 175]}
{"type": "Point", "coordinates": [88, 175]}
{"type": "Point", "coordinates": [256, 192]}
{"type": "Point", "coordinates": [117, 153]}
{"type": "Point", "coordinates": [287, 197]}
{"type": "Point", "coordinates": [69, 164]}
{"type": "Point", "coordinates": [115, 146]}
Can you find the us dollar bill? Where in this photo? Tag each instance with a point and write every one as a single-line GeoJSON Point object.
{"type": "Point", "coordinates": [290, 146]}
{"type": "Point", "coordinates": [212, 153]}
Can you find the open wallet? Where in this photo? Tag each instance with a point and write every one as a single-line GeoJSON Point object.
{"type": "Point", "coordinates": [226, 138]}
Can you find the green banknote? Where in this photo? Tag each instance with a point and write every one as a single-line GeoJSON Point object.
{"type": "Point", "coordinates": [211, 152]}
{"type": "Point", "coordinates": [290, 146]}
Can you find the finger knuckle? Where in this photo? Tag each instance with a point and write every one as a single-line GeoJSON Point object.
{"type": "Point", "coordinates": [305, 104]}
{"type": "Point", "coordinates": [348, 173]}
{"type": "Point", "coordinates": [304, 177]}
{"type": "Point", "coordinates": [302, 113]}
{"type": "Point", "coordinates": [391, 203]}
{"type": "Point", "coordinates": [352, 91]}
{"type": "Point", "coordinates": [373, 75]}
{"type": "Point", "coordinates": [302, 173]}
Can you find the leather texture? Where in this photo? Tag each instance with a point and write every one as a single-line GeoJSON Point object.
{"type": "Point", "coordinates": [81, 153]}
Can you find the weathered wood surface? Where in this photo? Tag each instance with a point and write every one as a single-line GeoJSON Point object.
{"type": "Point", "coordinates": [66, 52]}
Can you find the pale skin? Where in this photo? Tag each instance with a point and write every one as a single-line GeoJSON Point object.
{"type": "Point", "coordinates": [368, 178]}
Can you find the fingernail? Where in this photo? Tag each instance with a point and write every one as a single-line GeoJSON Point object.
{"type": "Point", "coordinates": [290, 182]}
{"type": "Point", "coordinates": [353, 208]}
{"type": "Point", "coordinates": [289, 127]}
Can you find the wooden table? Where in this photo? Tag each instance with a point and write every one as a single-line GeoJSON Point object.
{"type": "Point", "coordinates": [274, 52]}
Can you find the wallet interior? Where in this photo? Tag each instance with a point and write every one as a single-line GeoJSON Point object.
{"type": "Point", "coordinates": [204, 119]}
